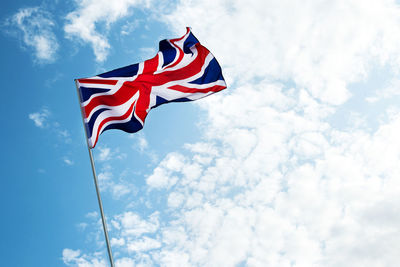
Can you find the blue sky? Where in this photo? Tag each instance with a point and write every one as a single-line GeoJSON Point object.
{"type": "Point", "coordinates": [295, 164]}
{"type": "Point", "coordinates": [47, 187]}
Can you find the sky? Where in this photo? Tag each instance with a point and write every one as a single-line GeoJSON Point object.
{"type": "Point", "coordinates": [294, 164]}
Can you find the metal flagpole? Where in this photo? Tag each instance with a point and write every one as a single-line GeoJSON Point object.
{"type": "Point", "coordinates": [103, 219]}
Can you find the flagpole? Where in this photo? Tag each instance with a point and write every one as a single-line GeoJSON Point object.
{"type": "Point", "coordinates": [103, 219]}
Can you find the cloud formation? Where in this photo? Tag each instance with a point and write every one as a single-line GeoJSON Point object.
{"type": "Point", "coordinates": [301, 42]}
{"type": "Point", "coordinates": [68, 161]}
{"type": "Point", "coordinates": [34, 27]}
{"type": "Point", "coordinates": [74, 258]}
{"type": "Point", "coordinates": [43, 120]}
{"type": "Point", "coordinates": [275, 182]}
{"type": "Point", "coordinates": [84, 22]}
{"type": "Point", "coordinates": [40, 118]}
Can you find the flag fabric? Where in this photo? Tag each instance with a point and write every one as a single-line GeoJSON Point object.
{"type": "Point", "coordinates": [183, 70]}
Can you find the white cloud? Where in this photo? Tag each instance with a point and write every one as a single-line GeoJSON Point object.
{"type": "Point", "coordinates": [304, 42]}
{"type": "Point", "coordinates": [142, 143]}
{"type": "Point", "coordinates": [273, 182]}
{"type": "Point", "coordinates": [105, 153]}
{"type": "Point", "coordinates": [117, 186]}
{"type": "Point", "coordinates": [284, 188]}
{"type": "Point", "coordinates": [295, 207]}
{"type": "Point", "coordinates": [133, 225]}
{"type": "Point", "coordinates": [130, 27]}
{"type": "Point", "coordinates": [117, 242]}
{"type": "Point", "coordinates": [35, 27]}
{"type": "Point", "coordinates": [125, 262]}
{"type": "Point", "coordinates": [63, 133]}
{"type": "Point", "coordinates": [68, 161]}
{"type": "Point", "coordinates": [161, 175]}
{"type": "Point", "coordinates": [144, 261]}
{"type": "Point", "coordinates": [40, 118]}
{"type": "Point", "coordinates": [119, 190]}
{"type": "Point", "coordinates": [74, 258]}
{"type": "Point", "coordinates": [82, 226]}
{"type": "Point", "coordinates": [84, 22]}
{"type": "Point", "coordinates": [69, 254]}
{"type": "Point", "coordinates": [92, 215]}
{"type": "Point", "coordinates": [109, 181]}
{"type": "Point", "coordinates": [175, 199]}
{"type": "Point", "coordinates": [143, 244]}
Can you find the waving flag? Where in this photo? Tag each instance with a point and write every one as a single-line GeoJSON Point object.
{"type": "Point", "coordinates": [183, 70]}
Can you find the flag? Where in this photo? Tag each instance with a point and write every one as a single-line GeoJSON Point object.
{"type": "Point", "coordinates": [183, 70]}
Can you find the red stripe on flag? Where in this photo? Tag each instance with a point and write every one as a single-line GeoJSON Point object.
{"type": "Point", "coordinates": [98, 81]}
{"type": "Point", "coordinates": [180, 38]}
{"type": "Point", "coordinates": [123, 117]}
{"type": "Point", "coordinates": [180, 51]}
{"type": "Point", "coordinates": [180, 74]}
{"type": "Point", "coordinates": [143, 102]}
{"type": "Point", "coordinates": [184, 89]}
{"type": "Point", "coordinates": [150, 65]}
{"type": "Point", "coordinates": [144, 82]}
{"type": "Point", "coordinates": [125, 93]}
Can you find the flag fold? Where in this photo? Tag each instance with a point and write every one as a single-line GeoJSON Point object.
{"type": "Point", "coordinates": [183, 70]}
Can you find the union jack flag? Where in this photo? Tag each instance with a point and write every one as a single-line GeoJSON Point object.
{"type": "Point", "coordinates": [183, 70]}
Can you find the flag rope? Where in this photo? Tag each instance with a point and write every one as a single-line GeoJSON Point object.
{"type": "Point", "coordinates": [103, 219]}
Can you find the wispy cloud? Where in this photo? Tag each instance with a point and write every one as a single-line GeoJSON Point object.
{"type": "Point", "coordinates": [68, 161]}
{"type": "Point", "coordinates": [147, 52]}
{"type": "Point", "coordinates": [89, 15]}
{"type": "Point", "coordinates": [130, 27]}
{"type": "Point", "coordinates": [162, 176]}
{"type": "Point", "coordinates": [92, 215]}
{"type": "Point", "coordinates": [75, 258]}
{"type": "Point", "coordinates": [34, 27]}
{"type": "Point", "coordinates": [117, 186]}
{"type": "Point", "coordinates": [318, 52]}
{"type": "Point", "coordinates": [82, 226]}
{"type": "Point", "coordinates": [40, 118]}
{"type": "Point", "coordinates": [273, 183]}
{"type": "Point", "coordinates": [51, 80]}
{"type": "Point", "coordinates": [105, 153]}
{"type": "Point", "coordinates": [281, 173]}
{"type": "Point", "coordinates": [142, 145]}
